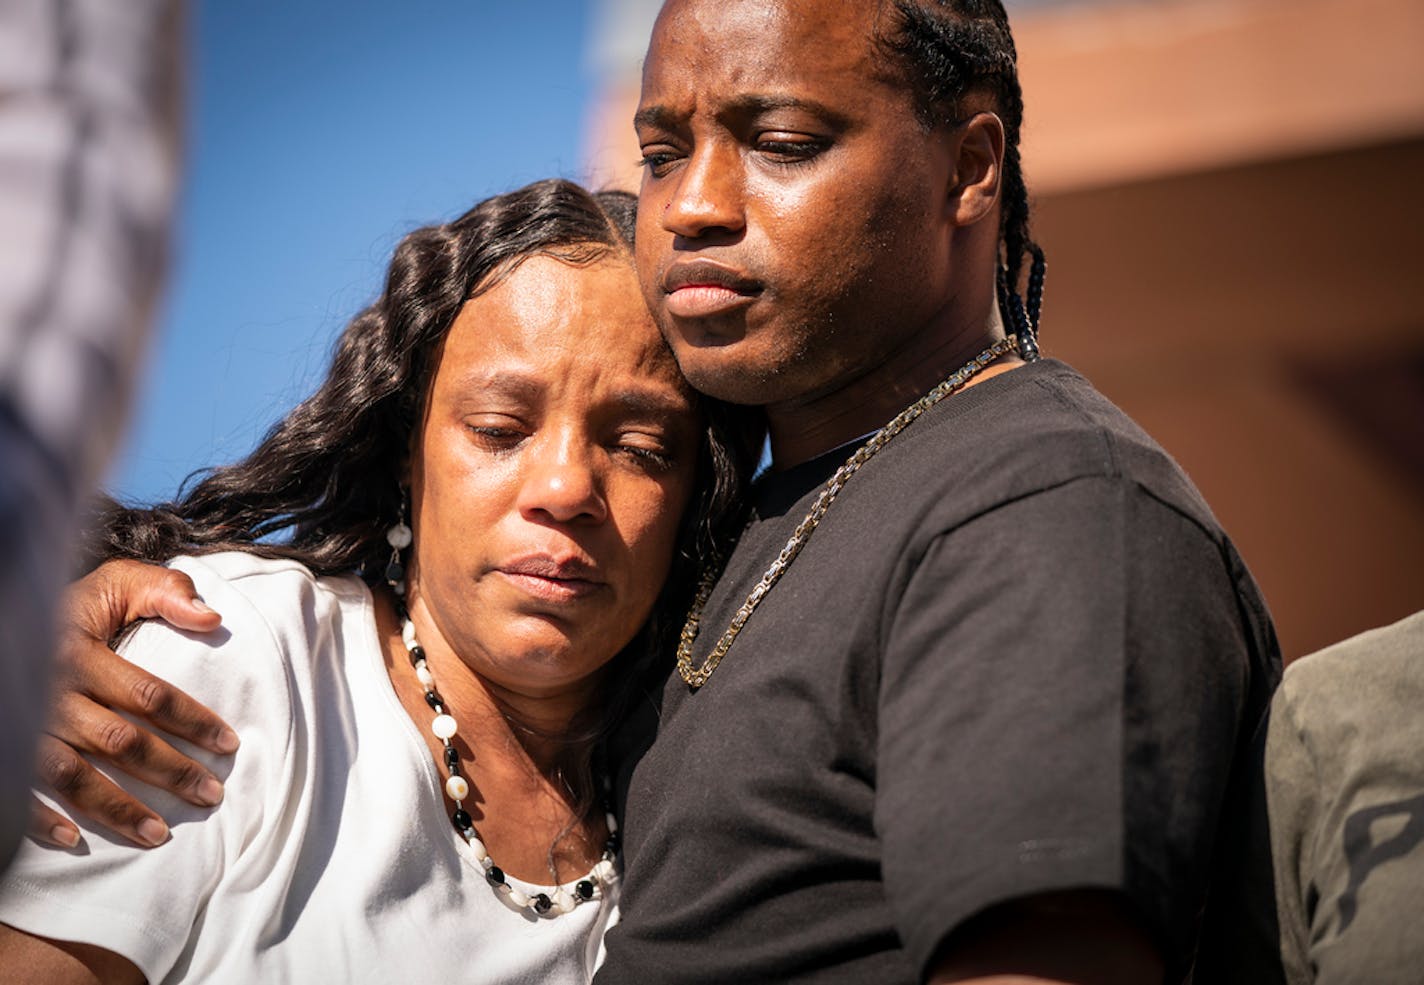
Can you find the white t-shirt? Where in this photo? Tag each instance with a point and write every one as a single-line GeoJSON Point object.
{"type": "Point", "coordinates": [331, 858]}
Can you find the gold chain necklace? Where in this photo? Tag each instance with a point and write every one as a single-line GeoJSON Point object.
{"type": "Point", "coordinates": [696, 677]}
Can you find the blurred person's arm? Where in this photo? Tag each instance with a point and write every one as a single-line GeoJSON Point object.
{"type": "Point", "coordinates": [89, 122]}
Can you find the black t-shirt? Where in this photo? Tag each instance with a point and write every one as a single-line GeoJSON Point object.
{"type": "Point", "coordinates": [1017, 656]}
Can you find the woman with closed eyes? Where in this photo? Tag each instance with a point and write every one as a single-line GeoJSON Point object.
{"type": "Point", "coordinates": [441, 579]}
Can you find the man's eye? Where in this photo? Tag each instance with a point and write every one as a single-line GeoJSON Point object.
{"type": "Point", "coordinates": [657, 161]}
{"type": "Point", "coordinates": [785, 149]}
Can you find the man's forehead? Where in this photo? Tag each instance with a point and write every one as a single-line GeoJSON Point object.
{"type": "Point", "coordinates": [771, 22]}
{"type": "Point", "coordinates": [758, 45]}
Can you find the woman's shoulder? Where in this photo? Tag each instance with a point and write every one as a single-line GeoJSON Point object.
{"type": "Point", "coordinates": [280, 592]}
{"type": "Point", "coordinates": [265, 578]}
{"type": "Point", "coordinates": [278, 619]}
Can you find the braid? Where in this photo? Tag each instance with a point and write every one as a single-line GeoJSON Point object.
{"type": "Point", "coordinates": [950, 49]}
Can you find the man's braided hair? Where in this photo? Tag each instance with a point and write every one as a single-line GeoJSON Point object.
{"type": "Point", "coordinates": [949, 50]}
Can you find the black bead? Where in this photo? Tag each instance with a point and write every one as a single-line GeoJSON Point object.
{"type": "Point", "coordinates": [584, 890]}
{"type": "Point", "coordinates": [453, 768]}
{"type": "Point", "coordinates": [452, 757]}
{"type": "Point", "coordinates": [416, 655]}
{"type": "Point", "coordinates": [612, 844]}
{"type": "Point", "coordinates": [542, 903]}
{"type": "Point", "coordinates": [495, 875]}
{"type": "Point", "coordinates": [432, 698]}
{"type": "Point", "coordinates": [395, 571]}
{"type": "Point", "coordinates": [462, 819]}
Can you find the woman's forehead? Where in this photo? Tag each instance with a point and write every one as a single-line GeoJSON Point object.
{"type": "Point", "coordinates": [551, 318]}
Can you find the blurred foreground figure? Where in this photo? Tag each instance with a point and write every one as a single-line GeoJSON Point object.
{"type": "Point", "coordinates": [89, 114]}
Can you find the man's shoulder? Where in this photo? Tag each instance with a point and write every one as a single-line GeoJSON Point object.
{"type": "Point", "coordinates": [1035, 429]}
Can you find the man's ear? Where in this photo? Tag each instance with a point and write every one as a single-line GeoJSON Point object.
{"type": "Point", "coordinates": [978, 168]}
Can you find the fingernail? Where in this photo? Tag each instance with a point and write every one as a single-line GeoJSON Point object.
{"type": "Point", "coordinates": [152, 831]}
{"type": "Point", "coordinates": [65, 836]}
{"type": "Point", "coordinates": [210, 791]}
{"type": "Point", "coordinates": [225, 740]}
{"type": "Point", "coordinates": [202, 606]}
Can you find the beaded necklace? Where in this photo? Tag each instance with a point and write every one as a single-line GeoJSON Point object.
{"type": "Point", "coordinates": [457, 788]}
{"type": "Point", "coordinates": [697, 676]}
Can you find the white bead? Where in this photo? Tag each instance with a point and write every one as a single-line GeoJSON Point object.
{"type": "Point", "coordinates": [563, 902]}
{"type": "Point", "coordinates": [398, 536]}
{"type": "Point", "coordinates": [603, 870]}
{"type": "Point", "coordinates": [457, 788]}
{"type": "Point", "coordinates": [408, 634]}
{"type": "Point", "coordinates": [612, 823]}
{"type": "Point", "coordinates": [478, 847]}
{"type": "Point", "coordinates": [517, 898]}
{"type": "Point", "coordinates": [423, 674]}
{"type": "Point", "coordinates": [444, 727]}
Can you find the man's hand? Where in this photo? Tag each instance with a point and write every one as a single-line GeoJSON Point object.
{"type": "Point", "coordinates": [93, 683]}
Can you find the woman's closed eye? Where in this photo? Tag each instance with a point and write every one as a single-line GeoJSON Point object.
{"type": "Point", "coordinates": [646, 449]}
{"type": "Point", "coordinates": [497, 435]}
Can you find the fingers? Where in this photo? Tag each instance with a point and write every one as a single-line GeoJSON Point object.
{"type": "Point", "coordinates": [144, 591]}
{"type": "Point", "coordinates": [94, 684]}
{"type": "Point", "coordinates": [120, 592]}
{"type": "Point", "coordinates": [89, 793]}
{"type": "Point", "coordinates": [108, 679]}
{"type": "Point", "coordinates": [50, 827]}
{"type": "Point", "coordinates": [95, 609]}
{"type": "Point", "coordinates": [84, 726]}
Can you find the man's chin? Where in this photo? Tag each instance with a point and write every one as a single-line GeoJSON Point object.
{"type": "Point", "coordinates": [725, 373]}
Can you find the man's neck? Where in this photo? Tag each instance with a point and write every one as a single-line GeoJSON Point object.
{"type": "Point", "coordinates": [804, 429]}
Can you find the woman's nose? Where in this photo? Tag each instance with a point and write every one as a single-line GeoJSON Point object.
{"type": "Point", "coordinates": [562, 485]}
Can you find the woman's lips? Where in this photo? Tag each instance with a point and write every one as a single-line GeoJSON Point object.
{"type": "Point", "coordinates": [555, 581]}
{"type": "Point", "coordinates": [551, 589]}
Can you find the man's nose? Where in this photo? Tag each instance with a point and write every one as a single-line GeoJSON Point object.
{"type": "Point", "coordinates": [707, 194]}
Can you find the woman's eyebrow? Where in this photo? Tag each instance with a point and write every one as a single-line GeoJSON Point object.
{"type": "Point", "coordinates": [651, 403]}
{"type": "Point", "coordinates": [502, 383]}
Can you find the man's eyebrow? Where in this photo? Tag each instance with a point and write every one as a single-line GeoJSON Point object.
{"type": "Point", "coordinates": [747, 104]}
{"type": "Point", "coordinates": [752, 103]}
{"type": "Point", "coordinates": [655, 116]}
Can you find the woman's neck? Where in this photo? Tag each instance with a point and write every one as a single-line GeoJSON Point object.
{"type": "Point", "coordinates": [523, 755]}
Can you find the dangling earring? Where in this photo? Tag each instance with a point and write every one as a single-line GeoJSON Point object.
{"type": "Point", "coordinates": [399, 537]}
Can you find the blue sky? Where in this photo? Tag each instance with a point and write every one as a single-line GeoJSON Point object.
{"type": "Point", "coordinates": [319, 133]}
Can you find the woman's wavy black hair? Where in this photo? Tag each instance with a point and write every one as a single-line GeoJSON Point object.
{"type": "Point", "coordinates": [325, 483]}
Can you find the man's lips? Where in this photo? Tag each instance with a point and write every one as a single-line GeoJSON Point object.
{"type": "Point", "coordinates": [549, 579]}
{"type": "Point", "coordinates": [700, 288]}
